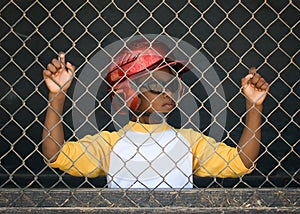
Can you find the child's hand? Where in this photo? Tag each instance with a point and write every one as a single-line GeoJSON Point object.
{"type": "Point", "coordinates": [58, 75]}
{"type": "Point", "coordinates": [255, 87]}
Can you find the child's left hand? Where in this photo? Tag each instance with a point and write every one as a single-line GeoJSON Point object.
{"type": "Point", "coordinates": [255, 87]}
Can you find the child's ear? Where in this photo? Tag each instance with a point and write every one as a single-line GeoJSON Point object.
{"type": "Point", "coordinates": [139, 101]}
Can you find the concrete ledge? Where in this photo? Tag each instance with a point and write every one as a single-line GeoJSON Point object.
{"type": "Point", "coordinates": [66, 210]}
{"type": "Point", "coordinates": [145, 201]}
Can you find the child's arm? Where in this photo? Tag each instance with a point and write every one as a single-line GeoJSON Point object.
{"type": "Point", "coordinates": [255, 89]}
{"type": "Point", "coordinates": [58, 77]}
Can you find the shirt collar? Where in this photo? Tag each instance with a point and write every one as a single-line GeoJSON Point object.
{"type": "Point", "coordinates": [146, 128]}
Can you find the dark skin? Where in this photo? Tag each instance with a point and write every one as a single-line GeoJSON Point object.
{"type": "Point", "coordinates": [151, 102]}
{"type": "Point", "coordinates": [58, 77]}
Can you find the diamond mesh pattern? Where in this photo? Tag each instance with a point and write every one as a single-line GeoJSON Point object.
{"type": "Point", "coordinates": [232, 36]}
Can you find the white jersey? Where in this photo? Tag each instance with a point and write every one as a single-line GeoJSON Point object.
{"type": "Point", "coordinates": [151, 160]}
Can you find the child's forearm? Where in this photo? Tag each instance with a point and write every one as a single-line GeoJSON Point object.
{"type": "Point", "coordinates": [53, 134]}
{"type": "Point", "coordinates": [249, 144]}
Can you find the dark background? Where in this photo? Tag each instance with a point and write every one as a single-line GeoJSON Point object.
{"type": "Point", "coordinates": [233, 36]}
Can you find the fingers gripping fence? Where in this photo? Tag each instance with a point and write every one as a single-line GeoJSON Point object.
{"type": "Point", "coordinates": [218, 41]}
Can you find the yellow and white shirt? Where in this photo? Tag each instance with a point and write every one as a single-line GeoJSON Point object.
{"type": "Point", "coordinates": [150, 156]}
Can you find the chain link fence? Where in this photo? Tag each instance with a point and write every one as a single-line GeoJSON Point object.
{"type": "Point", "coordinates": [220, 39]}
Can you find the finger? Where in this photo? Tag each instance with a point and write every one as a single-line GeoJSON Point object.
{"type": "Point", "coordinates": [256, 77]}
{"type": "Point", "coordinates": [265, 86]}
{"type": "Point", "coordinates": [47, 73]}
{"type": "Point", "coordinates": [51, 68]}
{"type": "Point", "coordinates": [252, 70]}
{"type": "Point", "coordinates": [70, 67]}
{"type": "Point", "coordinates": [56, 63]}
{"type": "Point", "coordinates": [246, 79]}
{"type": "Point", "coordinates": [260, 82]}
{"type": "Point", "coordinates": [62, 57]}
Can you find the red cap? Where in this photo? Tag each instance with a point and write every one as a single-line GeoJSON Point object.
{"type": "Point", "coordinates": [141, 56]}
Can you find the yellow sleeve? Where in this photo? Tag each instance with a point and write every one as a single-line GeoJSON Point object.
{"type": "Point", "coordinates": [87, 157]}
{"type": "Point", "coordinates": [214, 159]}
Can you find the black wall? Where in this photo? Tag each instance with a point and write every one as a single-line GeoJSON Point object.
{"type": "Point", "coordinates": [233, 36]}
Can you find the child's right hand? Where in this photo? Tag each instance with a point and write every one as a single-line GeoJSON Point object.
{"type": "Point", "coordinates": [59, 75]}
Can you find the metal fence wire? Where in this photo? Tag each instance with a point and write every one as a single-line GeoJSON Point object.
{"type": "Point", "coordinates": [220, 40]}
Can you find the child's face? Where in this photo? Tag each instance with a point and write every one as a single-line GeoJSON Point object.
{"type": "Point", "coordinates": [158, 91]}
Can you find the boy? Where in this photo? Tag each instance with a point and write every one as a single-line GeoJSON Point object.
{"type": "Point", "coordinates": [147, 152]}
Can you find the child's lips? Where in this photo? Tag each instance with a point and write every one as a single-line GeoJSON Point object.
{"type": "Point", "coordinates": [169, 105]}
